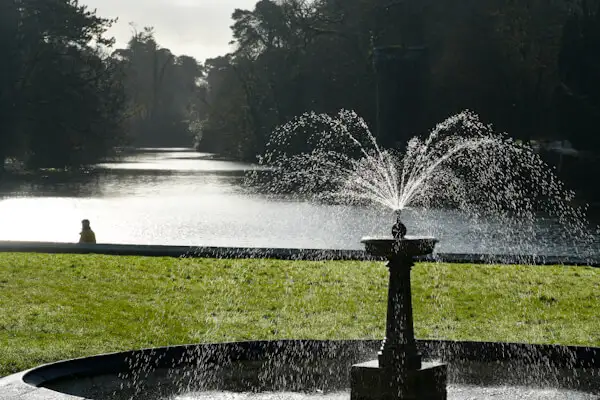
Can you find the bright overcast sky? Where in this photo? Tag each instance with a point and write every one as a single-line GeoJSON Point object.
{"type": "Point", "coordinates": [199, 28]}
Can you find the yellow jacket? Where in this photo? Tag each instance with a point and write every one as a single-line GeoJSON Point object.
{"type": "Point", "coordinates": [87, 236]}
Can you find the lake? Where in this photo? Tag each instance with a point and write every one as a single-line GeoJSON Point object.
{"type": "Point", "coordinates": [181, 197]}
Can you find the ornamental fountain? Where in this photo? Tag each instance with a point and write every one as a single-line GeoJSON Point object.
{"type": "Point", "coordinates": [480, 172]}
{"type": "Point", "coordinates": [323, 369]}
{"type": "Point", "coordinates": [399, 373]}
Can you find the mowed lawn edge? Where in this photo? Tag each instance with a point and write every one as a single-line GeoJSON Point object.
{"type": "Point", "coordinates": [55, 307]}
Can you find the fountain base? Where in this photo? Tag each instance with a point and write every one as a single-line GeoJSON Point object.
{"type": "Point", "coordinates": [370, 382]}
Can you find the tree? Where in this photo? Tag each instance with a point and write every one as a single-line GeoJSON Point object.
{"type": "Point", "coordinates": [10, 65]}
{"type": "Point", "coordinates": [61, 95]}
{"type": "Point", "coordinates": [228, 128]}
{"type": "Point", "coordinates": [163, 91]}
{"type": "Point", "coordinates": [291, 56]}
{"type": "Point", "coordinates": [578, 93]}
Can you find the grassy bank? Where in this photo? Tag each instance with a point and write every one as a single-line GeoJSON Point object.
{"type": "Point", "coordinates": [61, 306]}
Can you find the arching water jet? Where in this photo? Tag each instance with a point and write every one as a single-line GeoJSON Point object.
{"type": "Point", "coordinates": [462, 166]}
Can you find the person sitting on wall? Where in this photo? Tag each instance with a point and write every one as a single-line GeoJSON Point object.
{"type": "Point", "coordinates": [87, 235]}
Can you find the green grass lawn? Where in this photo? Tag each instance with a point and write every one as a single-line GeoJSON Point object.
{"type": "Point", "coordinates": [54, 307]}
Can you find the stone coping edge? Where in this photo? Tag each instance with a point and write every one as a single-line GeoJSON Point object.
{"type": "Point", "coordinates": [279, 253]}
{"type": "Point", "coordinates": [27, 385]}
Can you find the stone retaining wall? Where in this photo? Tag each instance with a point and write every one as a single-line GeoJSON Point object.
{"type": "Point", "coordinates": [278, 253]}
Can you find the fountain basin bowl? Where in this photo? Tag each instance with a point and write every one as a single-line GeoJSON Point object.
{"type": "Point", "coordinates": [408, 247]}
{"type": "Point", "coordinates": [305, 370]}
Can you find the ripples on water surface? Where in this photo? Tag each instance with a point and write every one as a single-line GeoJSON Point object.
{"type": "Point", "coordinates": [180, 197]}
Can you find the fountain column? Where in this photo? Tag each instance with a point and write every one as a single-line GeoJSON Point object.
{"type": "Point", "coordinates": [399, 373]}
{"type": "Point", "coordinates": [399, 348]}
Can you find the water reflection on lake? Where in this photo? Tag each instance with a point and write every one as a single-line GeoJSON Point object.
{"type": "Point", "coordinates": [180, 197]}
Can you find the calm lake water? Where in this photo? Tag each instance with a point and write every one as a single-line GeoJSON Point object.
{"type": "Point", "coordinates": [180, 197]}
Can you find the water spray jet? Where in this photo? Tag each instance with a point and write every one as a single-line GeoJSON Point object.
{"type": "Point", "coordinates": [399, 229]}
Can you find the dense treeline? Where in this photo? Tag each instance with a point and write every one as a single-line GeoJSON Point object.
{"type": "Point", "coordinates": [61, 99]}
{"type": "Point", "coordinates": [66, 100]}
{"type": "Point", "coordinates": [530, 67]}
{"type": "Point", "coordinates": [165, 93]}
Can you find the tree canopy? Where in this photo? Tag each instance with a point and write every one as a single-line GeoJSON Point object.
{"type": "Point", "coordinates": [530, 67]}
{"type": "Point", "coordinates": [66, 100]}
{"type": "Point", "coordinates": [164, 91]}
{"type": "Point", "coordinates": [500, 58]}
{"type": "Point", "coordinates": [61, 97]}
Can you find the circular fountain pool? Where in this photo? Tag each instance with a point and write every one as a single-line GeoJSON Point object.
{"type": "Point", "coordinates": [307, 370]}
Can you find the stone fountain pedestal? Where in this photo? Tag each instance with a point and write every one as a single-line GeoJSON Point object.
{"type": "Point", "coordinates": [398, 373]}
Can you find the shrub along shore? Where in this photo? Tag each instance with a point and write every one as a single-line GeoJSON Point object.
{"type": "Point", "coordinates": [54, 307]}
